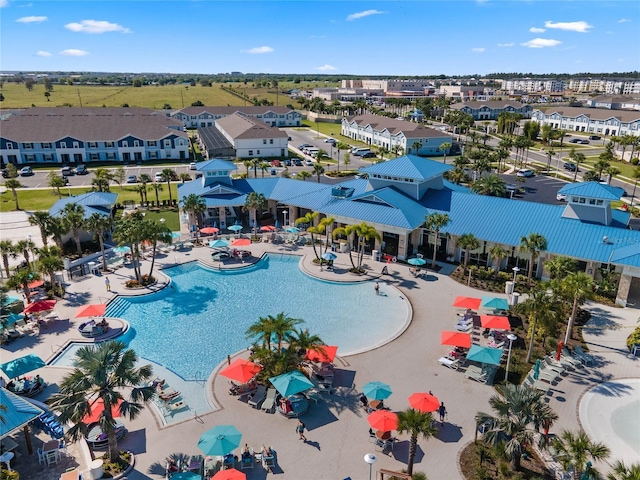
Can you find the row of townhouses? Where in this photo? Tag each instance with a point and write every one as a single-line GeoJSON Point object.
{"type": "Point", "coordinates": [591, 120]}
{"type": "Point", "coordinates": [628, 86]}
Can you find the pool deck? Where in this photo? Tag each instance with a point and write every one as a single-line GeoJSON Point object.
{"type": "Point", "coordinates": [337, 435]}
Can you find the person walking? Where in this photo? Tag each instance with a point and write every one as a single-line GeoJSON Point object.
{"type": "Point", "coordinates": [300, 429]}
{"type": "Point", "coordinates": [442, 410]}
{"type": "Point", "coordinates": [107, 284]}
{"type": "Point", "coordinates": [377, 288]}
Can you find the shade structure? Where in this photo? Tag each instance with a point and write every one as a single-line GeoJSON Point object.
{"type": "Point", "coordinates": [418, 262]}
{"type": "Point", "coordinates": [329, 256]}
{"type": "Point", "coordinates": [241, 370]}
{"type": "Point", "coordinates": [122, 249]}
{"type": "Point", "coordinates": [494, 303]}
{"type": "Point", "coordinates": [496, 322]}
{"type": "Point", "coordinates": [425, 402]}
{"type": "Point", "coordinates": [235, 228]}
{"type": "Point", "coordinates": [220, 440]}
{"type": "Point", "coordinates": [18, 412]}
{"type": "Point", "coordinates": [488, 355]}
{"type": "Point", "coordinates": [467, 302]}
{"type": "Point", "coordinates": [377, 390]}
{"type": "Point", "coordinates": [326, 354]}
{"type": "Point", "coordinates": [383, 420]}
{"type": "Point", "coordinates": [455, 339]}
{"type": "Point", "coordinates": [231, 474]}
{"type": "Point", "coordinates": [291, 383]}
{"type": "Point", "coordinates": [209, 230]}
{"type": "Point", "coordinates": [92, 310]}
{"type": "Point", "coordinates": [97, 409]}
{"type": "Point", "coordinates": [186, 476]}
{"type": "Point", "coordinates": [218, 243]}
{"type": "Point", "coordinates": [267, 228]}
{"type": "Point", "coordinates": [20, 366]}
{"type": "Point", "coordinates": [241, 242]}
{"type": "Point", "coordinates": [40, 306]}
{"type": "Point", "coordinates": [292, 230]}
{"type": "Point", "coordinates": [36, 284]}
{"type": "Point", "coordinates": [175, 235]}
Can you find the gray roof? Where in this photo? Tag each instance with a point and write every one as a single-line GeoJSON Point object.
{"type": "Point", "coordinates": [395, 126]}
{"type": "Point", "coordinates": [242, 127]}
{"type": "Point", "coordinates": [213, 139]}
{"type": "Point", "coordinates": [49, 124]}
{"type": "Point", "coordinates": [232, 109]}
{"type": "Point", "coordinates": [624, 116]}
{"type": "Point", "coordinates": [493, 104]}
{"type": "Point", "coordinates": [615, 99]}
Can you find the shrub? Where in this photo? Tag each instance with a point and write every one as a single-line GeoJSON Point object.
{"type": "Point", "coordinates": [635, 161]}
{"type": "Point", "coordinates": [504, 276]}
{"type": "Point", "coordinates": [633, 339]}
{"type": "Point", "coordinates": [6, 475]}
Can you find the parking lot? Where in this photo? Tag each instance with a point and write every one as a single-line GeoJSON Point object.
{"type": "Point", "coordinates": [540, 188]}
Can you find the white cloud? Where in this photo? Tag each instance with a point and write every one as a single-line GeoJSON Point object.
{"type": "Point", "coordinates": [537, 30]}
{"type": "Point", "coordinates": [541, 43]}
{"type": "Point", "coordinates": [581, 26]}
{"type": "Point", "coordinates": [478, 49]}
{"type": "Point", "coordinates": [73, 52]}
{"type": "Point", "coordinates": [366, 13]}
{"type": "Point", "coordinates": [624, 20]}
{"type": "Point", "coordinates": [95, 26]}
{"type": "Point", "coordinates": [326, 68]}
{"type": "Point", "coordinates": [42, 53]}
{"type": "Point", "coordinates": [4, 3]}
{"type": "Point", "coordinates": [506, 44]}
{"type": "Point", "coordinates": [32, 19]}
{"type": "Point", "coordinates": [259, 50]}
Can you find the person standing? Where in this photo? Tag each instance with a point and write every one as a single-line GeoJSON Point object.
{"type": "Point", "coordinates": [442, 410]}
{"type": "Point", "coordinates": [300, 429]}
{"type": "Point", "coordinates": [107, 284]}
{"type": "Point", "coordinates": [377, 288]}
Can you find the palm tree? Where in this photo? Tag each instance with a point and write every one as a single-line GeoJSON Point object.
{"type": "Point", "coordinates": [7, 249]}
{"type": "Point", "coordinates": [416, 423]}
{"type": "Point", "coordinates": [445, 146]}
{"type": "Point", "coordinates": [322, 156]}
{"type": "Point", "coordinates": [102, 179]}
{"type": "Point", "coordinates": [255, 201]}
{"type": "Point", "coordinates": [559, 267]}
{"type": "Point", "coordinates": [416, 146]}
{"type": "Point", "coordinates": [103, 372]}
{"type": "Point", "coordinates": [282, 326]}
{"type": "Point", "coordinates": [101, 225]}
{"type": "Point", "coordinates": [157, 187]}
{"type": "Point", "coordinates": [166, 175]}
{"type": "Point", "coordinates": [467, 242]}
{"type": "Point", "coordinates": [491, 185]}
{"type": "Point", "coordinates": [574, 452]}
{"type": "Point", "coordinates": [12, 184]}
{"type": "Point", "coordinates": [73, 221]}
{"type": "Point", "coordinates": [194, 205]}
{"type": "Point", "coordinates": [57, 229]}
{"type": "Point", "coordinates": [577, 287]}
{"type": "Point", "coordinates": [262, 329]}
{"type": "Point", "coordinates": [519, 413]}
{"type": "Point", "coordinates": [42, 219]}
{"type": "Point", "coordinates": [302, 341]}
{"type": "Point", "coordinates": [308, 219]}
{"type": "Point", "coordinates": [612, 172]}
{"type": "Point", "coordinates": [49, 262]}
{"type": "Point", "coordinates": [141, 190]}
{"type": "Point", "coordinates": [25, 246]}
{"type": "Point", "coordinates": [624, 472]}
{"type": "Point", "coordinates": [578, 158]}
{"type": "Point", "coordinates": [247, 164]}
{"type": "Point", "coordinates": [435, 222]}
{"type": "Point", "coordinates": [21, 280]}
{"type": "Point", "coordinates": [497, 254]}
{"type": "Point", "coordinates": [534, 243]}
{"type": "Point", "coordinates": [538, 307]}
{"type": "Point", "coordinates": [57, 182]}
{"type": "Point", "coordinates": [304, 175]}
{"type": "Point", "coordinates": [155, 232]}
{"type": "Point", "coordinates": [184, 177]}
{"type": "Point", "coordinates": [128, 231]}
{"type": "Point", "coordinates": [364, 233]}
{"type": "Point", "coordinates": [383, 151]}
{"type": "Point", "coordinates": [318, 170]}
{"type": "Point", "coordinates": [340, 146]}
{"type": "Point", "coordinates": [255, 163]}
{"type": "Point", "coordinates": [264, 166]}
{"type": "Point", "coordinates": [636, 177]}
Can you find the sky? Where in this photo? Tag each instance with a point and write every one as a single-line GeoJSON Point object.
{"type": "Point", "coordinates": [404, 38]}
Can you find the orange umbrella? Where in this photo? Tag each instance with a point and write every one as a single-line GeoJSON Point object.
{"type": "Point", "coordinates": [93, 310]}
{"type": "Point", "coordinates": [383, 420]}
{"type": "Point", "coordinates": [241, 242]}
{"type": "Point", "coordinates": [425, 402]}
{"type": "Point", "coordinates": [40, 306]}
{"type": "Point", "coordinates": [230, 474]}
{"type": "Point", "coordinates": [467, 302]}
{"type": "Point", "coordinates": [209, 230]}
{"type": "Point", "coordinates": [97, 408]}
{"type": "Point", "coordinates": [268, 228]}
{"type": "Point", "coordinates": [496, 322]}
{"type": "Point", "coordinates": [456, 339]}
{"type": "Point", "coordinates": [241, 370]}
{"type": "Point", "coordinates": [36, 284]}
{"type": "Point", "coordinates": [326, 354]}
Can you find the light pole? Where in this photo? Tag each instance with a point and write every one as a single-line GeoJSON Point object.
{"type": "Point", "coordinates": [515, 274]}
{"type": "Point", "coordinates": [370, 458]}
{"type": "Point", "coordinates": [33, 256]}
{"type": "Point", "coordinates": [284, 216]}
{"type": "Point", "coordinates": [511, 337]}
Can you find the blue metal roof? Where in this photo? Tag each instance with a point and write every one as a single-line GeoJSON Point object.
{"type": "Point", "coordinates": [19, 412]}
{"type": "Point", "coordinates": [409, 166]}
{"type": "Point", "coordinates": [629, 255]}
{"type": "Point", "coordinates": [92, 202]}
{"type": "Point", "coordinates": [215, 164]}
{"type": "Point", "coordinates": [592, 190]}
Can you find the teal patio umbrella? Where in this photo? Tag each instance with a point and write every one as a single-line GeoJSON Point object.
{"type": "Point", "coordinates": [13, 318]}
{"type": "Point", "coordinates": [488, 355]}
{"type": "Point", "coordinates": [292, 230]}
{"type": "Point", "coordinates": [220, 440]}
{"type": "Point", "coordinates": [20, 366]}
{"type": "Point", "coordinates": [218, 243]}
{"type": "Point", "coordinates": [175, 235]}
{"type": "Point", "coordinates": [494, 303]}
{"type": "Point", "coordinates": [186, 476]}
{"type": "Point", "coordinates": [416, 262]}
{"type": "Point", "coordinates": [122, 249]}
{"type": "Point", "coordinates": [377, 390]}
{"type": "Point", "coordinates": [536, 370]}
{"type": "Point", "coordinates": [291, 383]}
{"type": "Point", "coordinates": [329, 256]}
{"type": "Point", "coordinates": [18, 412]}
{"type": "Point", "coordinates": [235, 228]}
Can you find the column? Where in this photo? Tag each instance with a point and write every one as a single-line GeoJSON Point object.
{"type": "Point", "coordinates": [623, 290]}
{"type": "Point", "coordinates": [402, 246]}
{"type": "Point", "coordinates": [222, 213]}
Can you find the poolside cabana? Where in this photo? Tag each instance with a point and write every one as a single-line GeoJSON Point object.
{"type": "Point", "coordinates": [18, 414]}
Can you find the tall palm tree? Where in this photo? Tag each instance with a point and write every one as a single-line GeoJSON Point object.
{"type": "Point", "coordinates": [416, 147]}
{"type": "Point", "coordinates": [102, 179]}
{"type": "Point", "coordinates": [247, 165]}
{"type": "Point", "coordinates": [282, 326]}
{"type": "Point", "coordinates": [128, 231]}
{"type": "Point", "coordinates": [42, 220]}
{"type": "Point", "coordinates": [491, 186]}
{"type": "Point", "coordinates": [157, 187]}
{"type": "Point", "coordinates": [106, 372]}
{"type": "Point", "coordinates": [56, 182]}
{"type": "Point", "coordinates": [497, 254]}
{"type": "Point", "coordinates": [167, 174]}
{"type": "Point", "coordinates": [7, 249]}
{"type": "Point", "coordinates": [623, 472]}
{"type": "Point", "coordinates": [145, 180]}
{"type": "Point", "coordinates": [539, 307]}
{"type": "Point", "coordinates": [444, 147]}
{"type": "Point", "coordinates": [383, 151]}
{"type": "Point", "coordinates": [534, 243]}
{"type": "Point", "coordinates": [416, 423]}
{"type": "Point", "coordinates": [575, 451]}
{"type": "Point", "coordinates": [559, 267]}
{"type": "Point", "coordinates": [340, 146]}
{"type": "Point", "coordinates": [57, 229]}
{"type": "Point", "coordinates": [73, 221]}
{"type": "Point", "coordinates": [302, 341]}
{"type": "Point", "coordinates": [25, 247]}
{"type": "Point", "coordinates": [578, 158]}
{"type": "Point", "coordinates": [255, 163]}
{"type": "Point", "coordinates": [467, 242]}
{"type": "Point", "coordinates": [101, 225]}
{"type": "Point", "coordinates": [303, 175]}
{"type": "Point", "coordinates": [155, 232]}
{"type": "Point", "coordinates": [21, 280]}
{"type": "Point", "coordinates": [435, 222]}
{"type": "Point", "coordinates": [264, 166]}
{"type": "Point", "coordinates": [49, 262]}
{"type": "Point", "coordinates": [255, 201]}
{"type": "Point", "coordinates": [519, 413]}
{"type": "Point", "coordinates": [141, 190]}
{"type": "Point", "coordinates": [318, 170]}
{"type": "Point", "coordinates": [578, 288]}
{"type": "Point", "coordinates": [194, 205]}
{"type": "Point", "coordinates": [12, 184]}
{"type": "Point", "coordinates": [308, 219]}
{"type": "Point", "coordinates": [363, 232]}
{"type": "Point", "coordinates": [262, 329]}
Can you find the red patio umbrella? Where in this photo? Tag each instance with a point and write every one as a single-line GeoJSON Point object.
{"type": "Point", "coordinates": [425, 402]}
{"type": "Point", "coordinates": [241, 242]}
{"type": "Point", "coordinates": [327, 354]}
{"type": "Point", "coordinates": [97, 408]}
{"type": "Point", "coordinates": [40, 306]}
{"type": "Point", "coordinates": [230, 474]}
{"type": "Point", "coordinates": [467, 302]}
{"type": "Point", "coordinates": [93, 310]}
{"type": "Point", "coordinates": [383, 420]}
{"type": "Point", "coordinates": [209, 230]}
{"type": "Point", "coordinates": [241, 370]}
{"type": "Point", "coordinates": [456, 339]}
{"type": "Point", "coordinates": [36, 284]}
{"type": "Point", "coordinates": [268, 228]}
{"type": "Point", "coordinates": [559, 350]}
{"type": "Point", "coordinates": [496, 322]}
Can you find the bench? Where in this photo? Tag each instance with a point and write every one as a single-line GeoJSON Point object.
{"type": "Point", "coordinates": [450, 363]}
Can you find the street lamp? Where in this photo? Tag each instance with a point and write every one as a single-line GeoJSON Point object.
{"type": "Point", "coordinates": [284, 216]}
{"type": "Point", "coordinates": [515, 274]}
{"type": "Point", "coordinates": [370, 458]}
{"type": "Point", "coordinates": [511, 337]}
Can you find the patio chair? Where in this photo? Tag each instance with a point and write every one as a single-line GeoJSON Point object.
{"type": "Point", "coordinates": [168, 394]}
{"type": "Point", "coordinates": [546, 375]}
{"type": "Point", "coordinates": [567, 357]}
{"type": "Point", "coordinates": [529, 381]}
{"type": "Point", "coordinates": [449, 363]}
{"type": "Point", "coordinates": [246, 460]}
{"type": "Point", "coordinates": [584, 357]}
{"type": "Point", "coordinates": [550, 364]}
{"type": "Point", "coordinates": [269, 461]}
{"type": "Point", "coordinates": [270, 401]}
{"type": "Point", "coordinates": [256, 399]}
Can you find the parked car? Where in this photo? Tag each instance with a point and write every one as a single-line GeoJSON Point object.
{"type": "Point", "coordinates": [332, 141]}
{"type": "Point", "coordinates": [369, 155]}
{"type": "Point", "coordinates": [193, 166]}
{"type": "Point", "coordinates": [274, 171]}
{"type": "Point", "coordinates": [561, 197]}
{"type": "Point", "coordinates": [595, 137]}
{"type": "Point", "coordinates": [134, 179]}
{"type": "Point", "coordinates": [525, 172]}
{"type": "Point", "coordinates": [67, 172]}
{"type": "Point", "coordinates": [287, 162]}
{"type": "Point", "coordinates": [5, 173]}
{"type": "Point", "coordinates": [303, 146]}
{"type": "Point", "coordinates": [297, 162]}
{"type": "Point", "coordinates": [81, 170]}
{"type": "Point", "coordinates": [276, 163]}
{"type": "Point", "coordinates": [308, 163]}
{"type": "Point", "coordinates": [26, 171]}
{"type": "Point", "coordinates": [583, 142]}
{"type": "Point", "coordinates": [289, 139]}
{"type": "Point", "coordinates": [158, 177]}
{"type": "Point", "coordinates": [572, 167]}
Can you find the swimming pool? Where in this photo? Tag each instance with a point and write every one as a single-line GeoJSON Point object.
{"type": "Point", "coordinates": [191, 327]}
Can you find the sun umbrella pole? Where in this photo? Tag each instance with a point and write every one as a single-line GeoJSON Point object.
{"type": "Point", "coordinates": [27, 439]}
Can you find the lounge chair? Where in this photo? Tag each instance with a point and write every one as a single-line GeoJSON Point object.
{"type": "Point", "coordinates": [179, 405]}
{"type": "Point", "coordinates": [529, 381]}
{"type": "Point", "coordinates": [314, 395]}
{"type": "Point", "coordinates": [246, 460]}
{"type": "Point", "coordinates": [584, 357]}
{"type": "Point", "coordinates": [548, 376]}
{"type": "Point", "coordinates": [258, 397]}
{"type": "Point", "coordinates": [476, 373]}
{"type": "Point", "coordinates": [567, 357]}
{"type": "Point", "coordinates": [550, 364]}
{"type": "Point", "coordinates": [269, 461]}
{"type": "Point", "coordinates": [453, 364]}
{"type": "Point", "coordinates": [168, 394]}
{"type": "Point", "coordinates": [270, 401]}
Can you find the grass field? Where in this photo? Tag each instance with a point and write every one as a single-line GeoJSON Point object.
{"type": "Point", "coordinates": [152, 96]}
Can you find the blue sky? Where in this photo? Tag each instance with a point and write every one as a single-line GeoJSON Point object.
{"type": "Point", "coordinates": [452, 37]}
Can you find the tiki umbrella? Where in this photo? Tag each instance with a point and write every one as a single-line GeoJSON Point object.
{"type": "Point", "coordinates": [456, 339]}
{"type": "Point", "coordinates": [425, 402]}
{"type": "Point", "coordinates": [383, 420]}
{"type": "Point", "coordinates": [241, 370]}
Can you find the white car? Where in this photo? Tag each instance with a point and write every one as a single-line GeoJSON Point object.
{"type": "Point", "coordinates": [512, 188]}
{"type": "Point", "coordinates": [193, 166]}
{"type": "Point", "coordinates": [308, 163]}
{"type": "Point", "coordinates": [132, 179]}
{"type": "Point", "coordinates": [158, 177]}
{"type": "Point", "coordinates": [561, 197]}
{"type": "Point", "coordinates": [525, 172]}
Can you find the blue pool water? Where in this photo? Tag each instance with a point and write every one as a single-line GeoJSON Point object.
{"type": "Point", "coordinates": [191, 327]}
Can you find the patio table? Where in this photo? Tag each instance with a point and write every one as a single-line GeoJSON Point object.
{"type": "Point", "coordinates": [72, 475]}
{"type": "Point", "coordinates": [382, 435]}
{"type": "Point", "coordinates": [375, 404]}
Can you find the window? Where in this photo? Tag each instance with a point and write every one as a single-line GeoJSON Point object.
{"type": "Point", "coordinates": [76, 145]}
{"type": "Point", "coordinates": [108, 144]}
{"type": "Point", "coordinates": [264, 141]}
{"type": "Point", "coordinates": [92, 145]}
{"type": "Point", "coordinates": [271, 141]}
{"type": "Point", "coordinates": [250, 152]}
{"type": "Point", "coordinates": [48, 157]}
{"type": "Point", "coordinates": [125, 143]}
{"type": "Point", "coordinates": [94, 156]}
{"type": "Point", "coordinates": [27, 146]}
{"type": "Point", "coordinates": [153, 155]}
{"type": "Point", "coordinates": [29, 158]}
{"type": "Point", "coordinates": [46, 146]}
{"type": "Point", "coordinates": [167, 143]}
{"type": "Point", "coordinates": [257, 152]}
{"type": "Point", "coordinates": [599, 202]}
{"type": "Point", "coordinates": [151, 143]}
{"type": "Point", "coordinates": [111, 155]}
{"type": "Point", "coordinates": [136, 143]}
{"type": "Point", "coordinates": [9, 146]}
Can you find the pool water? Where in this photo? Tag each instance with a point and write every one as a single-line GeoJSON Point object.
{"type": "Point", "coordinates": [191, 327]}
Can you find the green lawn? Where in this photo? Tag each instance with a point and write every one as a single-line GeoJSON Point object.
{"type": "Point", "coordinates": [171, 217]}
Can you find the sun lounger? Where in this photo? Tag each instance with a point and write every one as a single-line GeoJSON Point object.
{"type": "Point", "coordinates": [168, 394]}
{"type": "Point", "coordinates": [268, 462]}
{"type": "Point", "coordinates": [548, 376]}
{"type": "Point", "coordinates": [450, 363]}
{"type": "Point", "coordinates": [258, 397]}
{"type": "Point", "coordinates": [584, 357]}
{"type": "Point", "coordinates": [270, 401]}
{"type": "Point", "coordinates": [246, 460]}
{"type": "Point", "coordinates": [476, 373]}
{"type": "Point", "coordinates": [529, 381]}
{"type": "Point", "coordinates": [550, 364]}
{"type": "Point", "coordinates": [179, 405]}
{"type": "Point", "coordinates": [567, 357]}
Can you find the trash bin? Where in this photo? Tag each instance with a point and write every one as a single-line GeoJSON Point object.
{"type": "Point", "coordinates": [96, 469]}
{"type": "Point", "coordinates": [515, 296]}
{"type": "Point", "coordinates": [508, 287]}
{"type": "Point", "coordinates": [375, 255]}
{"type": "Point", "coordinates": [343, 248]}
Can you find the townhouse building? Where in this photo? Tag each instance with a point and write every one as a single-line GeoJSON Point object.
{"type": "Point", "coordinates": [194, 117]}
{"type": "Point", "coordinates": [490, 110]}
{"type": "Point", "coordinates": [592, 120]}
